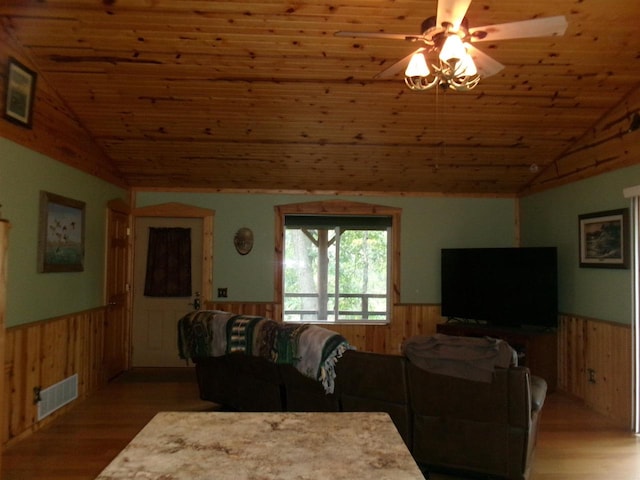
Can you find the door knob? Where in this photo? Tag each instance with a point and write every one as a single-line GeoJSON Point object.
{"type": "Point", "coordinates": [196, 301]}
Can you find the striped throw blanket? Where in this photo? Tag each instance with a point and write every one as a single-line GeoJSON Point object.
{"type": "Point", "coordinates": [311, 349]}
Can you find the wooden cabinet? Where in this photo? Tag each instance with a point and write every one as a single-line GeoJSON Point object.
{"type": "Point", "coordinates": [537, 350]}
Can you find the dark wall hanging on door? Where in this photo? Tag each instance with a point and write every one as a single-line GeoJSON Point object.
{"type": "Point", "coordinates": [168, 263]}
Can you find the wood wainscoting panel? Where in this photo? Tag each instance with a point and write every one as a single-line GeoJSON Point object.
{"type": "Point", "coordinates": [595, 365]}
{"type": "Point", "coordinates": [608, 355]}
{"type": "Point", "coordinates": [571, 355]}
{"type": "Point", "coordinates": [43, 353]}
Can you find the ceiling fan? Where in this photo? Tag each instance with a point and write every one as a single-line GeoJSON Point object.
{"type": "Point", "coordinates": [458, 64]}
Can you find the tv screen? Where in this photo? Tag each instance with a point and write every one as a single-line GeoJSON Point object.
{"type": "Point", "coordinates": [501, 286]}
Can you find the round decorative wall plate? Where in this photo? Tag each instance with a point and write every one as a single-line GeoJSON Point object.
{"type": "Point", "coordinates": [243, 240]}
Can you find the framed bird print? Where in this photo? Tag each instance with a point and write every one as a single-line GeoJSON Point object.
{"type": "Point", "coordinates": [61, 242]}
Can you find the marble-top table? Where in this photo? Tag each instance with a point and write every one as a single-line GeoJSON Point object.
{"type": "Point", "coordinates": [265, 446]}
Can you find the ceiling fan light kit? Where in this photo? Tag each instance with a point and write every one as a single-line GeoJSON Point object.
{"type": "Point", "coordinates": [453, 68]}
{"type": "Point", "coordinates": [449, 59]}
{"type": "Point", "coordinates": [453, 75]}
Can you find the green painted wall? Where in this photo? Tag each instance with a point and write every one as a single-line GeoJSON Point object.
{"type": "Point", "coordinates": [551, 218]}
{"type": "Point", "coordinates": [428, 224]}
{"type": "Point", "coordinates": [33, 296]}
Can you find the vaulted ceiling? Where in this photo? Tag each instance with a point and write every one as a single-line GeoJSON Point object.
{"type": "Point", "coordinates": [202, 94]}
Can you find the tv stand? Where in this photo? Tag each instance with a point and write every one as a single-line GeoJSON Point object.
{"type": "Point", "coordinates": [537, 350]}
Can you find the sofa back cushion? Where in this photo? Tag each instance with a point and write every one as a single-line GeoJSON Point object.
{"type": "Point", "coordinates": [375, 383]}
{"type": "Point", "coordinates": [438, 395]}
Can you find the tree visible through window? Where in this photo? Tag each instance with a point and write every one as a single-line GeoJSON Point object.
{"type": "Point", "coordinates": [337, 268]}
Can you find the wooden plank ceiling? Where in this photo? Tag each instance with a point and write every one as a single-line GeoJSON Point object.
{"type": "Point", "coordinates": [203, 94]}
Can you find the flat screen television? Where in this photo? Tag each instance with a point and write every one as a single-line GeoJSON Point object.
{"type": "Point", "coordinates": [513, 287]}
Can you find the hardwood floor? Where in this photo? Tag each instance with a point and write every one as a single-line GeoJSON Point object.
{"type": "Point", "coordinates": [573, 442]}
{"type": "Point", "coordinates": [81, 443]}
{"type": "Point", "coordinates": [576, 443]}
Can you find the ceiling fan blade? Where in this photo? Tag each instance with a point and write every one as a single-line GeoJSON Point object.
{"type": "Point", "coordinates": [399, 66]}
{"type": "Point", "coordinates": [539, 27]}
{"type": "Point", "coordinates": [486, 65]}
{"type": "Point", "coordinates": [388, 36]}
{"type": "Point", "coordinates": [452, 11]}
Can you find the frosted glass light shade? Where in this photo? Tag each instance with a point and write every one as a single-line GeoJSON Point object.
{"type": "Point", "coordinates": [467, 66]}
{"type": "Point", "coordinates": [417, 66]}
{"type": "Point", "coordinates": [452, 48]}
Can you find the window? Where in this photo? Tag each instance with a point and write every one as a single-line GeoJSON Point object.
{"type": "Point", "coordinates": [337, 267]}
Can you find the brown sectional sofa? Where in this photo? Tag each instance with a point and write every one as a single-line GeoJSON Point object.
{"type": "Point", "coordinates": [446, 422]}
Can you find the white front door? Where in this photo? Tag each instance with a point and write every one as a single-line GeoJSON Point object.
{"type": "Point", "coordinates": [155, 319]}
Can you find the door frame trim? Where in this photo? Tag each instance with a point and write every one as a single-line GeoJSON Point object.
{"type": "Point", "coordinates": [182, 210]}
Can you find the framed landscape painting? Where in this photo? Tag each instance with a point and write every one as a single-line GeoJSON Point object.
{"type": "Point", "coordinates": [61, 243]}
{"type": "Point", "coordinates": [604, 239]}
{"type": "Point", "coordinates": [20, 93]}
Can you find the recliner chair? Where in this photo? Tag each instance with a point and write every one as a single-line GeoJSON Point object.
{"type": "Point", "coordinates": [471, 426]}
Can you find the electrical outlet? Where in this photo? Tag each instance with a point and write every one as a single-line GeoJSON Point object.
{"type": "Point", "coordinates": [592, 375]}
{"type": "Point", "coordinates": [222, 292]}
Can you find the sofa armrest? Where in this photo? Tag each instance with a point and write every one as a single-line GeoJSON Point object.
{"type": "Point", "coordinates": [538, 393]}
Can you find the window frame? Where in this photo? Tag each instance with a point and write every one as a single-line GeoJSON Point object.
{"type": "Point", "coordinates": [336, 208]}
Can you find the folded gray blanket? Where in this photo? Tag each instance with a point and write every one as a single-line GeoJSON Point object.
{"type": "Point", "coordinates": [463, 357]}
{"type": "Point", "coordinates": [311, 349]}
